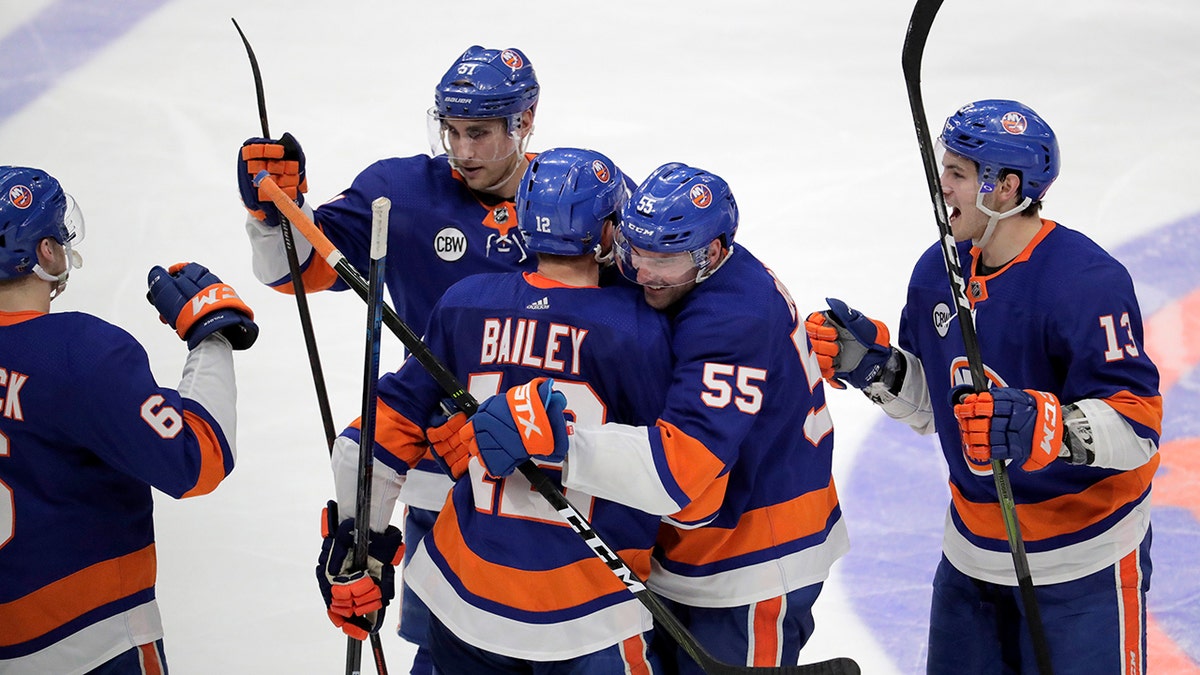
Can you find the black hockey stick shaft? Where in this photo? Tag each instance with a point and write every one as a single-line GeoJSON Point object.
{"type": "Point", "coordinates": [914, 47]}
{"type": "Point", "coordinates": [289, 245]}
{"type": "Point", "coordinates": [366, 446]}
{"type": "Point", "coordinates": [664, 619]}
{"type": "Point", "coordinates": [306, 324]}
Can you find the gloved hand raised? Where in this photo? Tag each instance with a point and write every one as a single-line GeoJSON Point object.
{"type": "Point", "coordinates": [848, 345]}
{"type": "Point", "coordinates": [526, 422]}
{"type": "Point", "coordinates": [197, 304]}
{"type": "Point", "coordinates": [355, 599]}
{"type": "Point", "coordinates": [448, 448]}
{"type": "Point", "coordinates": [284, 160]}
{"type": "Point", "coordinates": [1008, 423]}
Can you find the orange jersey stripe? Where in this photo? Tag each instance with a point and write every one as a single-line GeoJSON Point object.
{"type": "Point", "coordinates": [757, 530]}
{"type": "Point", "coordinates": [148, 655]}
{"type": "Point", "coordinates": [72, 596]}
{"type": "Point", "coordinates": [633, 651]}
{"type": "Point", "coordinates": [1145, 410]}
{"type": "Point", "coordinates": [212, 460]}
{"type": "Point", "coordinates": [694, 466]}
{"type": "Point", "coordinates": [397, 434]}
{"type": "Point", "coordinates": [1131, 612]}
{"type": "Point", "coordinates": [1059, 515]}
{"type": "Point", "coordinates": [573, 584]}
{"type": "Point", "coordinates": [765, 638]}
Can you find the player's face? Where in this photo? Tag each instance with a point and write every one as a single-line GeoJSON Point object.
{"type": "Point", "coordinates": [481, 150]}
{"type": "Point", "coordinates": [664, 277]}
{"type": "Point", "coordinates": [960, 188]}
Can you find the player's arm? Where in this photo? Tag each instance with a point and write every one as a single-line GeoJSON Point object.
{"type": "Point", "coordinates": [856, 350]}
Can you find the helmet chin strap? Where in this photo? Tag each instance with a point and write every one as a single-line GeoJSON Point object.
{"type": "Point", "coordinates": [74, 261]}
{"type": "Point", "coordinates": [518, 150]}
{"type": "Point", "coordinates": [994, 216]}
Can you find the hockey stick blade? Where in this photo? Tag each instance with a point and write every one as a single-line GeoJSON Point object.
{"type": "Point", "coordinates": [919, 26]}
{"type": "Point", "coordinates": [664, 619]}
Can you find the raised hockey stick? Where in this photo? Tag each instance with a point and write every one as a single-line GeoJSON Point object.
{"type": "Point", "coordinates": [366, 444]}
{"type": "Point", "coordinates": [664, 619]}
{"type": "Point", "coordinates": [306, 325]}
{"type": "Point", "coordinates": [289, 246]}
{"type": "Point", "coordinates": [914, 46]}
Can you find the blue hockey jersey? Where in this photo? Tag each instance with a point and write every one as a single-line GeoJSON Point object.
{"type": "Point", "coordinates": [500, 567]}
{"type": "Point", "coordinates": [439, 231]}
{"type": "Point", "coordinates": [743, 448]}
{"type": "Point", "coordinates": [1061, 317]}
{"type": "Point", "coordinates": [85, 432]}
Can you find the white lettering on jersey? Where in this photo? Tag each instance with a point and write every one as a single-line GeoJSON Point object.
{"type": "Point", "coordinates": [517, 342]}
{"type": "Point", "coordinates": [11, 403]}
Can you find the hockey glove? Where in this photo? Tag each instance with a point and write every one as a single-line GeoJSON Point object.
{"type": "Point", "coordinates": [1010, 424]}
{"type": "Point", "coordinates": [284, 160]}
{"type": "Point", "coordinates": [197, 304]}
{"type": "Point", "coordinates": [447, 447]}
{"type": "Point", "coordinates": [523, 423]}
{"type": "Point", "coordinates": [355, 599]}
{"type": "Point", "coordinates": [848, 345]}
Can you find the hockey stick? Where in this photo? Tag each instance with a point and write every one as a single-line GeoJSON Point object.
{"type": "Point", "coordinates": [664, 619]}
{"type": "Point", "coordinates": [306, 326]}
{"type": "Point", "coordinates": [289, 245]}
{"type": "Point", "coordinates": [366, 444]}
{"type": "Point", "coordinates": [914, 46]}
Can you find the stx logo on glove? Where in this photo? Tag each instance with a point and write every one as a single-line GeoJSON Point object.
{"type": "Point", "coordinates": [521, 400]}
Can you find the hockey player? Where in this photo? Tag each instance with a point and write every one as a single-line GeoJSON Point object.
{"type": "Point", "coordinates": [452, 215]}
{"type": "Point", "coordinates": [86, 432]}
{"type": "Point", "coordinates": [740, 458]}
{"type": "Point", "coordinates": [511, 588]}
{"type": "Point", "coordinates": [1072, 405]}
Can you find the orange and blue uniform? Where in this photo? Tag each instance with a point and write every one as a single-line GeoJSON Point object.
{"type": "Point", "coordinates": [85, 433]}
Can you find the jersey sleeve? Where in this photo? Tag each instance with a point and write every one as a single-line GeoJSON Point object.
{"type": "Point", "coordinates": [179, 441]}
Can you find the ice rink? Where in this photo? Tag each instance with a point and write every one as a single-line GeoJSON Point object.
{"type": "Point", "coordinates": [139, 106]}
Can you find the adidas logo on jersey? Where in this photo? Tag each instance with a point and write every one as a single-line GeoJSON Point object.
{"type": "Point", "coordinates": [544, 303]}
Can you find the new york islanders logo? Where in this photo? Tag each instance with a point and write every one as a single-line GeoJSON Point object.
{"type": "Point", "coordinates": [602, 173]}
{"type": "Point", "coordinates": [1014, 123]}
{"type": "Point", "coordinates": [701, 196]}
{"type": "Point", "coordinates": [512, 59]}
{"type": "Point", "coordinates": [20, 196]}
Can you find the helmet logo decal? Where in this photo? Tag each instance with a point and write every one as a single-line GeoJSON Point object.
{"type": "Point", "coordinates": [450, 244]}
{"type": "Point", "coordinates": [512, 59]}
{"type": "Point", "coordinates": [601, 171]}
{"type": "Point", "coordinates": [1014, 123]}
{"type": "Point", "coordinates": [20, 196]}
{"type": "Point", "coordinates": [701, 196]}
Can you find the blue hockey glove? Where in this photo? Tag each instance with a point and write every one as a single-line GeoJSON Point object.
{"type": "Point", "coordinates": [355, 599]}
{"type": "Point", "coordinates": [284, 160]}
{"type": "Point", "coordinates": [1011, 424]}
{"type": "Point", "coordinates": [197, 304]}
{"type": "Point", "coordinates": [523, 423]}
{"type": "Point", "coordinates": [848, 345]}
{"type": "Point", "coordinates": [446, 445]}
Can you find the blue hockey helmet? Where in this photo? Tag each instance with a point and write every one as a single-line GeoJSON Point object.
{"type": "Point", "coordinates": [487, 83]}
{"type": "Point", "coordinates": [677, 209]}
{"type": "Point", "coordinates": [999, 134]}
{"type": "Point", "coordinates": [33, 206]}
{"type": "Point", "coordinates": [564, 198]}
